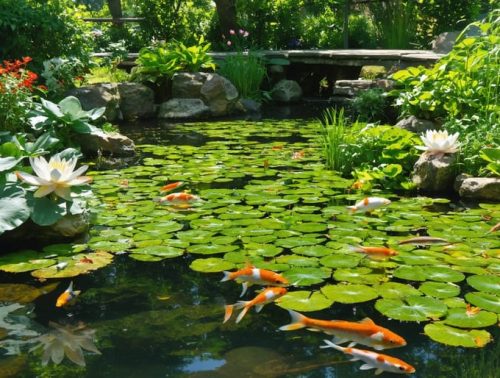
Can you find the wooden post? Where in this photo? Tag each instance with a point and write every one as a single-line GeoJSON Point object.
{"type": "Point", "coordinates": [345, 25]}
{"type": "Point", "coordinates": [115, 8]}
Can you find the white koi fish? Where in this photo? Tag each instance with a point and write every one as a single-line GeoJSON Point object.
{"type": "Point", "coordinates": [374, 360]}
{"type": "Point", "coordinates": [369, 204]}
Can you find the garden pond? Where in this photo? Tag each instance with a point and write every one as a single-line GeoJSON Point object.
{"type": "Point", "coordinates": [151, 300]}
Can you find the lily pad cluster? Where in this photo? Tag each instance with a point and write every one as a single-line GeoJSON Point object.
{"type": "Point", "coordinates": [266, 204]}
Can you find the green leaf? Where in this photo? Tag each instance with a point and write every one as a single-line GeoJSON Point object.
{"type": "Point", "coordinates": [486, 283]}
{"type": "Point", "coordinates": [396, 290]}
{"type": "Point", "coordinates": [304, 301]}
{"type": "Point", "coordinates": [211, 265]}
{"type": "Point", "coordinates": [7, 163]}
{"type": "Point", "coordinates": [485, 301]}
{"type": "Point", "coordinates": [416, 309]}
{"type": "Point", "coordinates": [457, 337]}
{"type": "Point", "coordinates": [440, 289]}
{"type": "Point", "coordinates": [14, 208]}
{"type": "Point", "coordinates": [462, 318]}
{"type": "Point", "coordinates": [46, 211]}
{"type": "Point", "coordinates": [349, 293]}
{"type": "Point", "coordinates": [307, 276]}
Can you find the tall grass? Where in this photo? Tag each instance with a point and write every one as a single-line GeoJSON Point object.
{"type": "Point", "coordinates": [246, 72]}
{"type": "Point", "coordinates": [333, 132]}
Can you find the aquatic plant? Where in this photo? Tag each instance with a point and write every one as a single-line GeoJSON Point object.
{"type": "Point", "coordinates": [66, 341]}
{"type": "Point", "coordinates": [246, 71]}
{"type": "Point", "coordinates": [57, 175]}
{"type": "Point", "coordinates": [439, 142]}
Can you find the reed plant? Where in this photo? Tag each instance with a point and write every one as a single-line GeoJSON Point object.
{"type": "Point", "coordinates": [246, 71]}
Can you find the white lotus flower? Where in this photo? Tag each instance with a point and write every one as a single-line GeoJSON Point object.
{"type": "Point", "coordinates": [439, 142]}
{"type": "Point", "coordinates": [56, 176]}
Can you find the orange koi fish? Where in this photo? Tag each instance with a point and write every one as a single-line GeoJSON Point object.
{"type": "Point", "coordinates": [171, 186]}
{"type": "Point", "coordinates": [297, 155]}
{"type": "Point", "coordinates": [374, 360]}
{"type": "Point", "coordinates": [369, 204]}
{"type": "Point", "coordinates": [266, 296]}
{"type": "Point", "coordinates": [67, 296]}
{"type": "Point", "coordinates": [424, 240]}
{"type": "Point", "coordinates": [180, 199]}
{"type": "Point", "coordinates": [365, 332]}
{"type": "Point", "coordinates": [376, 253]}
{"type": "Point", "coordinates": [252, 275]}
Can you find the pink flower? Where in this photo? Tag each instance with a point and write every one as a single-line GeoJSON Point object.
{"type": "Point", "coordinates": [229, 43]}
{"type": "Point", "coordinates": [246, 34]}
{"type": "Point", "coordinates": [232, 32]}
{"type": "Point", "coordinates": [241, 31]}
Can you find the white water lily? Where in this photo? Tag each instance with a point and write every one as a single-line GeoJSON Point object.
{"type": "Point", "coordinates": [56, 176]}
{"type": "Point", "coordinates": [439, 142]}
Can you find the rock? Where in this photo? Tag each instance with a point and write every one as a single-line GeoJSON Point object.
{"type": "Point", "coordinates": [250, 106]}
{"type": "Point", "coordinates": [108, 143]}
{"type": "Point", "coordinates": [183, 108]}
{"type": "Point", "coordinates": [372, 72]}
{"type": "Point", "coordinates": [416, 125]}
{"type": "Point", "coordinates": [97, 96]}
{"type": "Point", "coordinates": [444, 42]}
{"type": "Point", "coordinates": [276, 69]}
{"type": "Point", "coordinates": [355, 84]}
{"type": "Point", "coordinates": [136, 101]}
{"type": "Point", "coordinates": [188, 85]}
{"type": "Point", "coordinates": [219, 94]}
{"type": "Point", "coordinates": [385, 84]}
{"type": "Point", "coordinates": [287, 91]}
{"type": "Point", "coordinates": [71, 225]}
{"type": "Point", "coordinates": [343, 91]}
{"type": "Point", "coordinates": [481, 188]}
{"type": "Point", "coordinates": [433, 173]}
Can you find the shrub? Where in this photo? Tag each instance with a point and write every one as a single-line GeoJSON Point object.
{"type": "Point", "coordinates": [246, 72]}
{"type": "Point", "coordinates": [371, 105]}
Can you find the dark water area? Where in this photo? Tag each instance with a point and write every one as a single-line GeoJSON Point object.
{"type": "Point", "coordinates": [163, 319]}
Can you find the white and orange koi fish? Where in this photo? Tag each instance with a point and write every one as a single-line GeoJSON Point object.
{"type": "Point", "coordinates": [365, 332]}
{"type": "Point", "coordinates": [369, 204]}
{"type": "Point", "coordinates": [180, 199]}
{"type": "Point", "coordinates": [376, 253]}
{"type": "Point", "coordinates": [252, 275]}
{"type": "Point", "coordinates": [374, 360]}
{"type": "Point", "coordinates": [67, 296]}
{"type": "Point", "coordinates": [171, 186]}
{"type": "Point", "coordinates": [266, 296]}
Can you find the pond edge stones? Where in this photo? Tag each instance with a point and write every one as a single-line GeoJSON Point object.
{"type": "Point", "coordinates": [434, 173]}
{"type": "Point", "coordinates": [481, 188]}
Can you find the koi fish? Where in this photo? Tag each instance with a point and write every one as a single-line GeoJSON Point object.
{"type": "Point", "coordinates": [297, 155]}
{"type": "Point", "coordinates": [369, 204]}
{"type": "Point", "coordinates": [365, 332]}
{"type": "Point", "coordinates": [374, 360]}
{"type": "Point", "coordinates": [252, 275]}
{"type": "Point", "coordinates": [424, 240]}
{"type": "Point", "coordinates": [266, 296]}
{"type": "Point", "coordinates": [86, 260]}
{"type": "Point", "coordinates": [377, 253]}
{"type": "Point", "coordinates": [67, 296]}
{"type": "Point", "coordinates": [494, 228]}
{"type": "Point", "coordinates": [180, 199]}
{"type": "Point", "coordinates": [171, 186]}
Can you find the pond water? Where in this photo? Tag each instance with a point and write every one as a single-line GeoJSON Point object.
{"type": "Point", "coordinates": [157, 303]}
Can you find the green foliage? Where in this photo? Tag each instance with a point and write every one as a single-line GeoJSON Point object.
{"type": "Point", "coordinates": [370, 105]}
{"type": "Point", "coordinates": [42, 30]}
{"type": "Point", "coordinates": [492, 156]}
{"type": "Point", "coordinates": [62, 74]}
{"type": "Point", "coordinates": [65, 118]}
{"type": "Point", "coordinates": [462, 89]}
{"type": "Point", "coordinates": [106, 74]}
{"type": "Point", "coordinates": [246, 72]}
{"type": "Point", "coordinates": [158, 63]}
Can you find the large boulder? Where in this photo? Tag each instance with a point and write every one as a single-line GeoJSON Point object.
{"type": "Point", "coordinates": [136, 101]}
{"type": "Point", "coordinates": [219, 94]}
{"type": "Point", "coordinates": [188, 85]}
{"type": "Point", "coordinates": [287, 91]}
{"type": "Point", "coordinates": [99, 95]}
{"type": "Point", "coordinates": [114, 144]}
{"type": "Point", "coordinates": [434, 173]}
{"type": "Point", "coordinates": [481, 188]}
{"type": "Point", "coordinates": [183, 108]}
{"type": "Point", "coordinates": [416, 125]}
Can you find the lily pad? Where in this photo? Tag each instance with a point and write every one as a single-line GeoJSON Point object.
{"type": "Point", "coordinates": [27, 266]}
{"type": "Point", "coordinates": [349, 293]}
{"type": "Point", "coordinates": [313, 251]}
{"type": "Point", "coordinates": [443, 274]}
{"type": "Point", "coordinates": [266, 250]}
{"type": "Point", "coordinates": [304, 301]}
{"type": "Point", "coordinates": [211, 265]}
{"type": "Point", "coordinates": [440, 289]}
{"type": "Point", "coordinates": [307, 276]}
{"type": "Point", "coordinates": [486, 283]}
{"type": "Point", "coordinates": [463, 318]}
{"type": "Point", "coordinates": [162, 251]}
{"type": "Point", "coordinates": [484, 301]}
{"type": "Point", "coordinates": [338, 260]}
{"type": "Point", "coordinates": [297, 260]}
{"type": "Point", "coordinates": [391, 290]}
{"type": "Point", "coordinates": [21, 293]}
{"type": "Point", "coordinates": [359, 275]}
{"type": "Point", "coordinates": [77, 264]}
{"type": "Point", "coordinates": [457, 337]}
{"type": "Point", "coordinates": [414, 308]}
{"type": "Point", "coordinates": [410, 273]}
{"type": "Point", "coordinates": [211, 249]}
